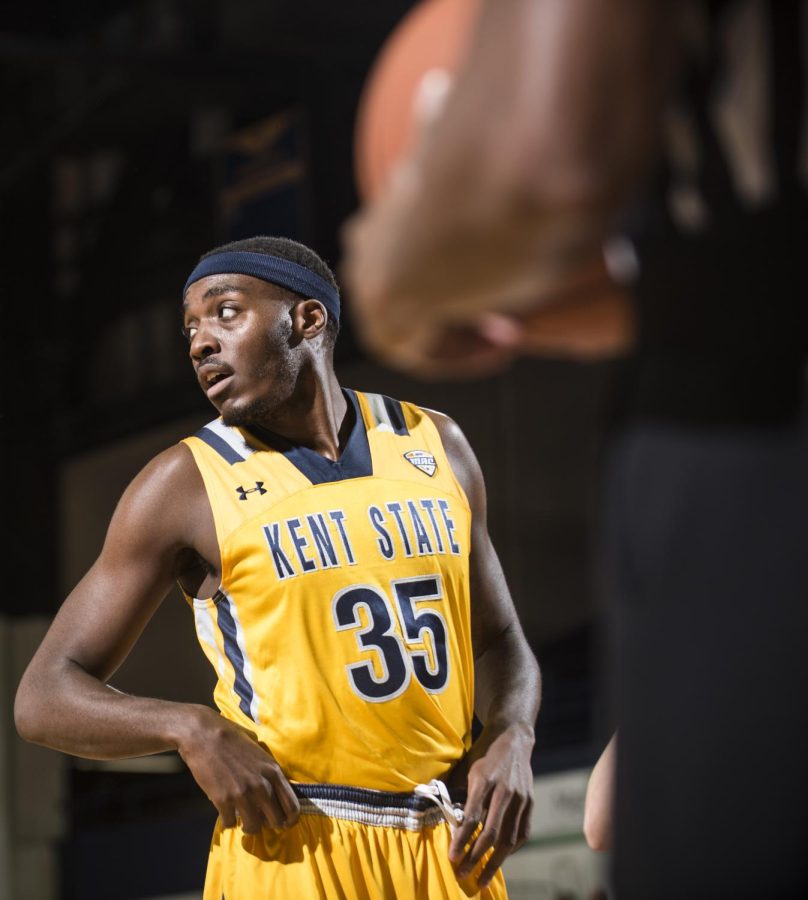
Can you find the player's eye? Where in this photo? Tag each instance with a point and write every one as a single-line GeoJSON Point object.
{"type": "Point", "coordinates": [189, 331]}
{"type": "Point", "coordinates": [227, 312]}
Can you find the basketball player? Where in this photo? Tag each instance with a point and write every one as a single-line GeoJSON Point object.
{"type": "Point", "coordinates": [333, 547]}
{"type": "Point", "coordinates": [683, 126]}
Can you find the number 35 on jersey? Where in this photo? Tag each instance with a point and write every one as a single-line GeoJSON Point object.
{"type": "Point", "coordinates": [400, 636]}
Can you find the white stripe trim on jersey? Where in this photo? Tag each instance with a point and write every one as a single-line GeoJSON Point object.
{"type": "Point", "coordinates": [206, 630]}
{"type": "Point", "coordinates": [379, 412]}
{"type": "Point", "coordinates": [247, 667]}
{"type": "Point", "coordinates": [232, 437]}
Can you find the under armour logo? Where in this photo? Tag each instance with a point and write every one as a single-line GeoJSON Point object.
{"type": "Point", "coordinates": [242, 492]}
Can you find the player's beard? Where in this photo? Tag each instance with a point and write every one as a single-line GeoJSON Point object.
{"type": "Point", "coordinates": [261, 410]}
{"type": "Point", "coordinates": [280, 374]}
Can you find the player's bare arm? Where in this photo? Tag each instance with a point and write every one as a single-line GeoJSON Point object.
{"type": "Point", "coordinates": [161, 532]}
{"type": "Point", "coordinates": [507, 201]}
{"type": "Point", "coordinates": [507, 691]}
{"type": "Point", "coordinates": [599, 805]}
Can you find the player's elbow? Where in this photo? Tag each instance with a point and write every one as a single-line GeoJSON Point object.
{"type": "Point", "coordinates": [598, 806]}
{"type": "Point", "coordinates": [597, 830]}
{"type": "Point", "coordinates": [599, 802]}
{"type": "Point", "coordinates": [29, 714]}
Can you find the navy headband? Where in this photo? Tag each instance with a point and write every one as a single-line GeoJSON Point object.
{"type": "Point", "coordinates": [273, 269]}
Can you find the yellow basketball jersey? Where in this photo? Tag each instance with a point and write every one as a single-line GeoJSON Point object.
{"type": "Point", "coordinates": [341, 633]}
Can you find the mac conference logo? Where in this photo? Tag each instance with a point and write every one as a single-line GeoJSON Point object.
{"type": "Point", "coordinates": [422, 460]}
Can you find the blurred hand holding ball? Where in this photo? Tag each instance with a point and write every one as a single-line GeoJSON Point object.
{"type": "Point", "coordinates": [409, 83]}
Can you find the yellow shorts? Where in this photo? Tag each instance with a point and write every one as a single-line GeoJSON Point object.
{"type": "Point", "coordinates": [349, 844]}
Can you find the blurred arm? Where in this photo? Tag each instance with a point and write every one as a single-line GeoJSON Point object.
{"type": "Point", "coordinates": [598, 808]}
{"type": "Point", "coordinates": [547, 130]}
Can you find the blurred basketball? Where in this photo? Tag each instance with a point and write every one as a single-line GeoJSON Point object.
{"type": "Point", "coordinates": [430, 40]}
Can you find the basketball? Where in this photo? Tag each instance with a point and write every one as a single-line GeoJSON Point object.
{"type": "Point", "coordinates": [431, 38]}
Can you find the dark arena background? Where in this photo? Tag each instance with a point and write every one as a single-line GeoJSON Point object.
{"type": "Point", "coordinates": [137, 135]}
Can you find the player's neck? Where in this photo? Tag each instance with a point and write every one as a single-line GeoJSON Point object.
{"type": "Point", "coordinates": [316, 415]}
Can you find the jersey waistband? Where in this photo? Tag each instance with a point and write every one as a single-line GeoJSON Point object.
{"type": "Point", "coordinates": [428, 805]}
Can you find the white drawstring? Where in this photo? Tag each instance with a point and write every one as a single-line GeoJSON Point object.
{"type": "Point", "coordinates": [436, 792]}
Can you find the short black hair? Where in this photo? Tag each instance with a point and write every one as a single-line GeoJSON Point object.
{"type": "Point", "coordinates": [295, 252]}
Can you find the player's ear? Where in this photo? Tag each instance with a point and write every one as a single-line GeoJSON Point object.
{"type": "Point", "coordinates": [309, 318]}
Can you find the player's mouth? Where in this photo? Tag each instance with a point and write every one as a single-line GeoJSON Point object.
{"type": "Point", "coordinates": [214, 379]}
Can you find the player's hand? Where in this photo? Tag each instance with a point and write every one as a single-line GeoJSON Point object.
{"type": "Point", "coordinates": [240, 777]}
{"type": "Point", "coordinates": [587, 319]}
{"type": "Point", "coordinates": [500, 798]}
{"type": "Point", "coordinates": [468, 351]}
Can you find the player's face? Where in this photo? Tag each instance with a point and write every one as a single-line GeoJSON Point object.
{"type": "Point", "coordinates": [241, 341]}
